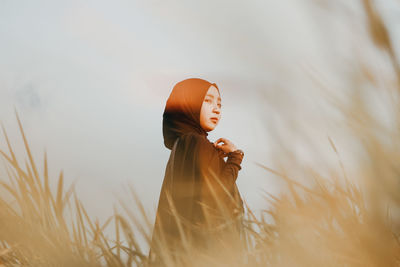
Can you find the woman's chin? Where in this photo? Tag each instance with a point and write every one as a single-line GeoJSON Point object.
{"type": "Point", "coordinates": [211, 128]}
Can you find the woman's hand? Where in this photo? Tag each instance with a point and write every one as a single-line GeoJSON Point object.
{"type": "Point", "coordinates": [221, 153]}
{"type": "Point", "coordinates": [227, 145]}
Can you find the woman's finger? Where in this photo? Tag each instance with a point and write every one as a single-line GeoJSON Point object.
{"type": "Point", "coordinates": [217, 141]}
{"type": "Point", "coordinates": [219, 147]}
{"type": "Point", "coordinates": [220, 140]}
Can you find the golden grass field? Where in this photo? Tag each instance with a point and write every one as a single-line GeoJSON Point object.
{"type": "Point", "coordinates": [334, 222]}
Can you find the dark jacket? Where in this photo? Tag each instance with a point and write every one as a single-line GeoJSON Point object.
{"type": "Point", "coordinates": [195, 172]}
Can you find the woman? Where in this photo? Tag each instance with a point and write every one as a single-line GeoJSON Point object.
{"type": "Point", "coordinates": [199, 202]}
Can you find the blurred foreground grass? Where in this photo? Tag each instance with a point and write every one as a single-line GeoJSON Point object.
{"type": "Point", "coordinates": [335, 222]}
{"type": "Point", "coordinates": [329, 224]}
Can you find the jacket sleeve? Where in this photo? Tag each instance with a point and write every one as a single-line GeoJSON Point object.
{"type": "Point", "coordinates": [232, 166]}
{"type": "Point", "coordinates": [211, 164]}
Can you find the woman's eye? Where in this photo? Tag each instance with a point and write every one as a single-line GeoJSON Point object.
{"type": "Point", "coordinates": [209, 101]}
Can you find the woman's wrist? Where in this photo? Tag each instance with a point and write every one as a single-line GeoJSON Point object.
{"type": "Point", "coordinates": [235, 157]}
{"type": "Point", "coordinates": [238, 151]}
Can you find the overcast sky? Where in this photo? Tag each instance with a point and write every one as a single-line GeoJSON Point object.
{"type": "Point", "coordinates": [90, 80]}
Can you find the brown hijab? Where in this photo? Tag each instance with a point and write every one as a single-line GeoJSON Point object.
{"type": "Point", "coordinates": [182, 111]}
{"type": "Point", "coordinates": [195, 173]}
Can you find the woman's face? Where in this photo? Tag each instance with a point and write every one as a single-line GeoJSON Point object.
{"type": "Point", "coordinates": [210, 113]}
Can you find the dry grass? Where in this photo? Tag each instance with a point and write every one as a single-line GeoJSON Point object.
{"type": "Point", "coordinates": [335, 222]}
{"type": "Point", "coordinates": [328, 224]}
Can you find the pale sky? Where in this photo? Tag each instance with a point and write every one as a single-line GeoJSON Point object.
{"type": "Point", "coordinates": [90, 80]}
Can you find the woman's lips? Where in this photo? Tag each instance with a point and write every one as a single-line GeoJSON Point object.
{"type": "Point", "coordinates": [214, 120]}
